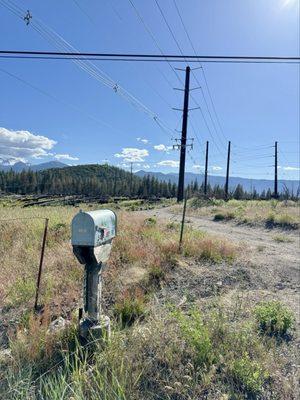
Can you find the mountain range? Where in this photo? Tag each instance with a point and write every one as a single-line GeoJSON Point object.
{"type": "Point", "coordinates": [248, 184]}
{"type": "Point", "coordinates": [21, 166]}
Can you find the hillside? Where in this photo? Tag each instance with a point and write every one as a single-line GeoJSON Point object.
{"type": "Point", "coordinates": [90, 180]}
{"type": "Point", "coordinates": [248, 184]}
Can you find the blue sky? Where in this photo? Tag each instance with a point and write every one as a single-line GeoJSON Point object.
{"type": "Point", "coordinates": [56, 110]}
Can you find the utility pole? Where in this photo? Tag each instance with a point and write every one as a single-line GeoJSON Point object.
{"type": "Point", "coordinates": [180, 193]}
{"type": "Point", "coordinates": [227, 171]}
{"type": "Point", "coordinates": [276, 172]}
{"type": "Point", "coordinates": [206, 167]}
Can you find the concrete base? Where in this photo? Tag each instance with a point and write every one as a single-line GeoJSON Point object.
{"type": "Point", "coordinates": [93, 330]}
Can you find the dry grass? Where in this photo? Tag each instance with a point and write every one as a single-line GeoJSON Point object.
{"type": "Point", "coordinates": [157, 350]}
{"type": "Point", "coordinates": [270, 213]}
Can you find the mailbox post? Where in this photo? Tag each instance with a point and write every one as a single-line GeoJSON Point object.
{"type": "Point", "coordinates": [92, 235]}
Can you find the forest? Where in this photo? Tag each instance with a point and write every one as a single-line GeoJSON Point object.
{"type": "Point", "coordinates": [108, 181]}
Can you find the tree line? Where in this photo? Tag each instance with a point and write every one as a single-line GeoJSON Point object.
{"type": "Point", "coordinates": [238, 193]}
{"type": "Point", "coordinates": [108, 181]}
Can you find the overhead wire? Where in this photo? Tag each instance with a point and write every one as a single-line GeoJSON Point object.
{"type": "Point", "coordinates": [149, 31]}
{"type": "Point", "coordinates": [50, 35]}
{"type": "Point", "coordinates": [179, 48]}
{"type": "Point", "coordinates": [204, 76]}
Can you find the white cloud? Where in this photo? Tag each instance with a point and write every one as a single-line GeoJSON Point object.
{"type": "Point", "coordinates": [169, 163]}
{"type": "Point", "coordinates": [162, 147]}
{"type": "Point", "coordinates": [216, 168]}
{"type": "Point", "coordinates": [198, 167]}
{"type": "Point", "coordinates": [291, 168]}
{"type": "Point", "coordinates": [21, 145]}
{"type": "Point", "coordinates": [146, 166]}
{"type": "Point", "coordinates": [65, 157]}
{"type": "Point", "coordinates": [131, 154]}
{"type": "Point", "coordinates": [142, 140]}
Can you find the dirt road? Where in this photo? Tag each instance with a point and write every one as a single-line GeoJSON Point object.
{"type": "Point", "coordinates": [265, 267]}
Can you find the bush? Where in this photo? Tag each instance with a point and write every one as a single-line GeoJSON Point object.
{"type": "Point", "coordinates": [274, 318]}
{"type": "Point", "coordinates": [248, 374]}
{"type": "Point", "coordinates": [197, 336]}
{"type": "Point", "coordinates": [224, 217]}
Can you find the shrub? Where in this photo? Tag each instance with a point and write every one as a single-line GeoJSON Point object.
{"type": "Point", "coordinates": [130, 307]}
{"type": "Point", "coordinates": [274, 318]}
{"type": "Point", "coordinates": [270, 220]}
{"type": "Point", "coordinates": [248, 374]}
{"type": "Point", "coordinates": [224, 217]}
{"type": "Point", "coordinates": [219, 217]}
{"type": "Point", "coordinates": [150, 221]}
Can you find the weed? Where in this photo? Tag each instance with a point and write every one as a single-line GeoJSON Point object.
{"type": "Point", "coordinates": [151, 221]}
{"type": "Point", "coordinates": [273, 318]}
{"type": "Point", "coordinates": [130, 307]}
{"type": "Point", "coordinates": [156, 275]}
{"type": "Point", "coordinates": [22, 291]}
{"type": "Point", "coordinates": [282, 239]}
{"type": "Point", "coordinates": [248, 374]}
{"type": "Point", "coordinates": [196, 335]}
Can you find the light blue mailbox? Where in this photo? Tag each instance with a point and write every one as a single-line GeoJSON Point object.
{"type": "Point", "coordinates": [94, 228]}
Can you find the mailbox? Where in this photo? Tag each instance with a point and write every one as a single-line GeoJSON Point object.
{"type": "Point", "coordinates": [92, 235]}
{"type": "Point", "coordinates": [93, 228]}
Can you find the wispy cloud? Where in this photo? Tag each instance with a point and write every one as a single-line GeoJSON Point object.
{"type": "Point", "coordinates": [291, 168]}
{"type": "Point", "coordinates": [211, 168]}
{"type": "Point", "coordinates": [198, 167]}
{"type": "Point", "coordinates": [169, 163]}
{"type": "Point", "coordinates": [162, 147]}
{"type": "Point", "coordinates": [143, 140]}
{"type": "Point", "coordinates": [65, 157]}
{"type": "Point", "coordinates": [22, 145]}
{"type": "Point", "coordinates": [131, 154]}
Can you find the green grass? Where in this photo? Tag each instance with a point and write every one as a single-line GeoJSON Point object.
{"type": "Point", "coordinates": [248, 374]}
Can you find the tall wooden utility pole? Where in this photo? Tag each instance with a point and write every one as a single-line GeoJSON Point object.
{"type": "Point", "coordinates": [180, 193]}
{"type": "Point", "coordinates": [227, 171]}
{"type": "Point", "coordinates": [206, 167]}
{"type": "Point", "coordinates": [276, 172]}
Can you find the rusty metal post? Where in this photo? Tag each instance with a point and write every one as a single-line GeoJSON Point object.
{"type": "Point", "coordinates": [41, 264]}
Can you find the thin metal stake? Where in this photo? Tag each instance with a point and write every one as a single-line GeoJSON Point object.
{"type": "Point", "coordinates": [41, 265]}
{"type": "Point", "coordinates": [182, 222]}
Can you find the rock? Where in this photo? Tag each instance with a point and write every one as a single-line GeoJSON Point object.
{"type": "Point", "coordinates": [58, 324]}
{"type": "Point", "coordinates": [5, 354]}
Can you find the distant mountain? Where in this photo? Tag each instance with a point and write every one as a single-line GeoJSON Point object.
{"type": "Point", "coordinates": [21, 166]}
{"type": "Point", "coordinates": [248, 184]}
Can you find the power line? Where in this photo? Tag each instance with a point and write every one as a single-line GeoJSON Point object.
{"type": "Point", "coordinates": [54, 38]}
{"type": "Point", "coordinates": [154, 57]}
{"type": "Point", "coordinates": [201, 67]}
{"type": "Point", "coordinates": [182, 55]}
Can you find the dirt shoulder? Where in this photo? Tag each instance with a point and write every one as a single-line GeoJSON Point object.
{"type": "Point", "coordinates": [265, 268]}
